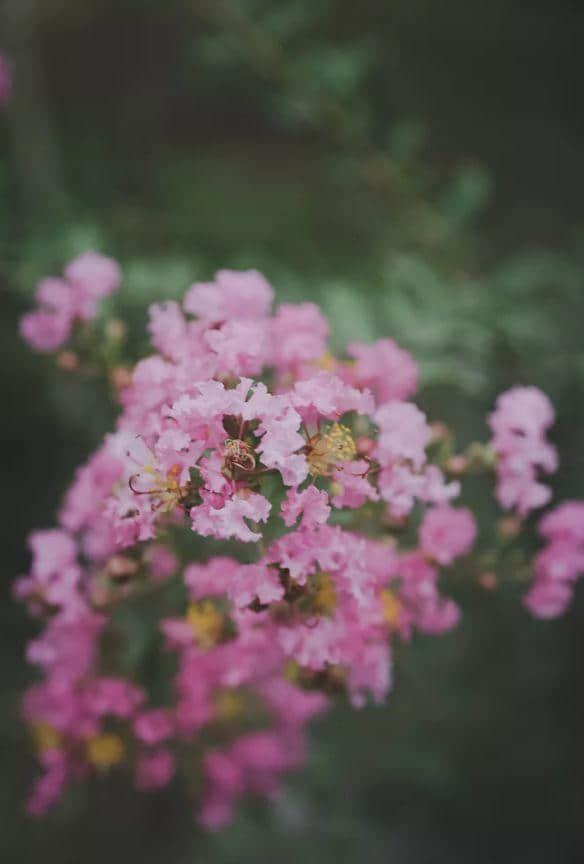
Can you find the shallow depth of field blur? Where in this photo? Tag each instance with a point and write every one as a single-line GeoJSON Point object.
{"type": "Point", "coordinates": [415, 167]}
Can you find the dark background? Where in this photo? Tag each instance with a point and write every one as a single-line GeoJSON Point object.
{"type": "Point", "coordinates": [182, 136]}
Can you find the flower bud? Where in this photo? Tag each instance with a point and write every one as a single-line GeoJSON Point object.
{"type": "Point", "coordinates": [68, 361]}
{"type": "Point", "coordinates": [487, 580]}
{"type": "Point", "coordinates": [115, 330]}
{"type": "Point", "coordinates": [121, 377]}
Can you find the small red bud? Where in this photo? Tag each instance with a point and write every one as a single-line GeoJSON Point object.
{"type": "Point", "coordinates": [68, 361]}
{"type": "Point", "coordinates": [364, 445]}
{"type": "Point", "coordinates": [440, 431]}
{"type": "Point", "coordinates": [456, 464]}
{"type": "Point", "coordinates": [509, 526]}
{"type": "Point", "coordinates": [487, 580]}
{"type": "Point", "coordinates": [121, 377]}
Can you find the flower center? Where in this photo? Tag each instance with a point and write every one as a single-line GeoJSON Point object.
{"type": "Point", "coordinates": [46, 737]}
{"type": "Point", "coordinates": [239, 454]}
{"type": "Point", "coordinates": [228, 704]}
{"type": "Point", "coordinates": [206, 623]}
{"type": "Point", "coordinates": [329, 449]}
{"type": "Point", "coordinates": [105, 750]}
{"type": "Point", "coordinates": [392, 608]}
{"type": "Point", "coordinates": [324, 599]}
{"type": "Point", "coordinates": [165, 489]}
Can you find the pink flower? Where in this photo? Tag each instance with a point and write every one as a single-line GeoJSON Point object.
{"type": "Point", "coordinates": [354, 487]}
{"type": "Point", "coordinates": [547, 599]}
{"type": "Point", "coordinates": [57, 295]}
{"type": "Point", "coordinates": [521, 412]}
{"type": "Point", "coordinates": [560, 563]}
{"type": "Point", "coordinates": [292, 706]}
{"type": "Point", "coordinates": [154, 770]}
{"type": "Point", "coordinates": [226, 419]}
{"type": "Point", "coordinates": [55, 575]}
{"type": "Point", "coordinates": [311, 504]}
{"type": "Point", "coordinates": [93, 276]}
{"type": "Point", "coordinates": [114, 696]}
{"type": "Point", "coordinates": [280, 441]}
{"type": "Point", "coordinates": [88, 278]}
{"type": "Point", "coordinates": [211, 579]}
{"type": "Point", "coordinates": [253, 763]}
{"type": "Point", "coordinates": [446, 533]}
{"type": "Point", "coordinates": [325, 395]}
{"type": "Point", "coordinates": [241, 347]}
{"type": "Point", "coordinates": [163, 563]}
{"type": "Point", "coordinates": [255, 581]}
{"type": "Point", "coordinates": [564, 523]}
{"type": "Point", "coordinates": [168, 329]}
{"type": "Point", "coordinates": [228, 520]}
{"type": "Point", "coordinates": [154, 726]}
{"type": "Point", "coordinates": [424, 608]}
{"type": "Point", "coordinates": [300, 334]}
{"type": "Point", "coordinates": [403, 434]}
{"type": "Point", "coordinates": [52, 551]}
{"type": "Point", "coordinates": [49, 786]}
{"type": "Point", "coordinates": [384, 368]}
{"type": "Point", "coordinates": [519, 422]}
{"type": "Point", "coordinates": [93, 481]}
{"type": "Point", "coordinates": [68, 646]}
{"type": "Point", "coordinates": [232, 296]}
{"type": "Point", "coordinates": [44, 330]}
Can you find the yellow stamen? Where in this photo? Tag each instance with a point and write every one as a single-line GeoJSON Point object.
{"type": "Point", "coordinates": [206, 623]}
{"type": "Point", "coordinates": [229, 704]}
{"type": "Point", "coordinates": [392, 608]}
{"type": "Point", "coordinates": [337, 675]}
{"type": "Point", "coordinates": [325, 597]}
{"type": "Point", "coordinates": [292, 671]}
{"type": "Point", "coordinates": [335, 446]}
{"type": "Point", "coordinates": [46, 737]}
{"type": "Point", "coordinates": [165, 489]}
{"type": "Point", "coordinates": [105, 750]}
{"type": "Point", "coordinates": [327, 362]}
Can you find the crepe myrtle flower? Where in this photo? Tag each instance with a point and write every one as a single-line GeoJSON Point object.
{"type": "Point", "coordinates": [289, 512]}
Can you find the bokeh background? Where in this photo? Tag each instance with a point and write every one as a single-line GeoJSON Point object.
{"type": "Point", "coordinates": [416, 167]}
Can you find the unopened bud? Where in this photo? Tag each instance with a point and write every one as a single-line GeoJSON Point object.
{"type": "Point", "coordinates": [440, 431]}
{"type": "Point", "coordinates": [509, 526]}
{"type": "Point", "coordinates": [121, 377]}
{"type": "Point", "coordinates": [115, 330]}
{"type": "Point", "coordinates": [487, 580]}
{"type": "Point", "coordinates": [481, 457]}
{"type": "Point", "coordinates": [68, 361]}
{"type": "Point", "coordinates": [456, 465]}
{"type": "Point", "coordinates": [121, 567]}
{"type": "Point", "coordinates": [364, 445]}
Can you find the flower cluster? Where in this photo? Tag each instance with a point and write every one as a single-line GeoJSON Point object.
{"type": "Point", "coordinates": [560, 562]}
{"type": "Point", "coordinates": [75, 297]}
{"type": "Point", "coordinates": [242, 427]}
{"type": "Point", "coordinates": [519, 423]}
